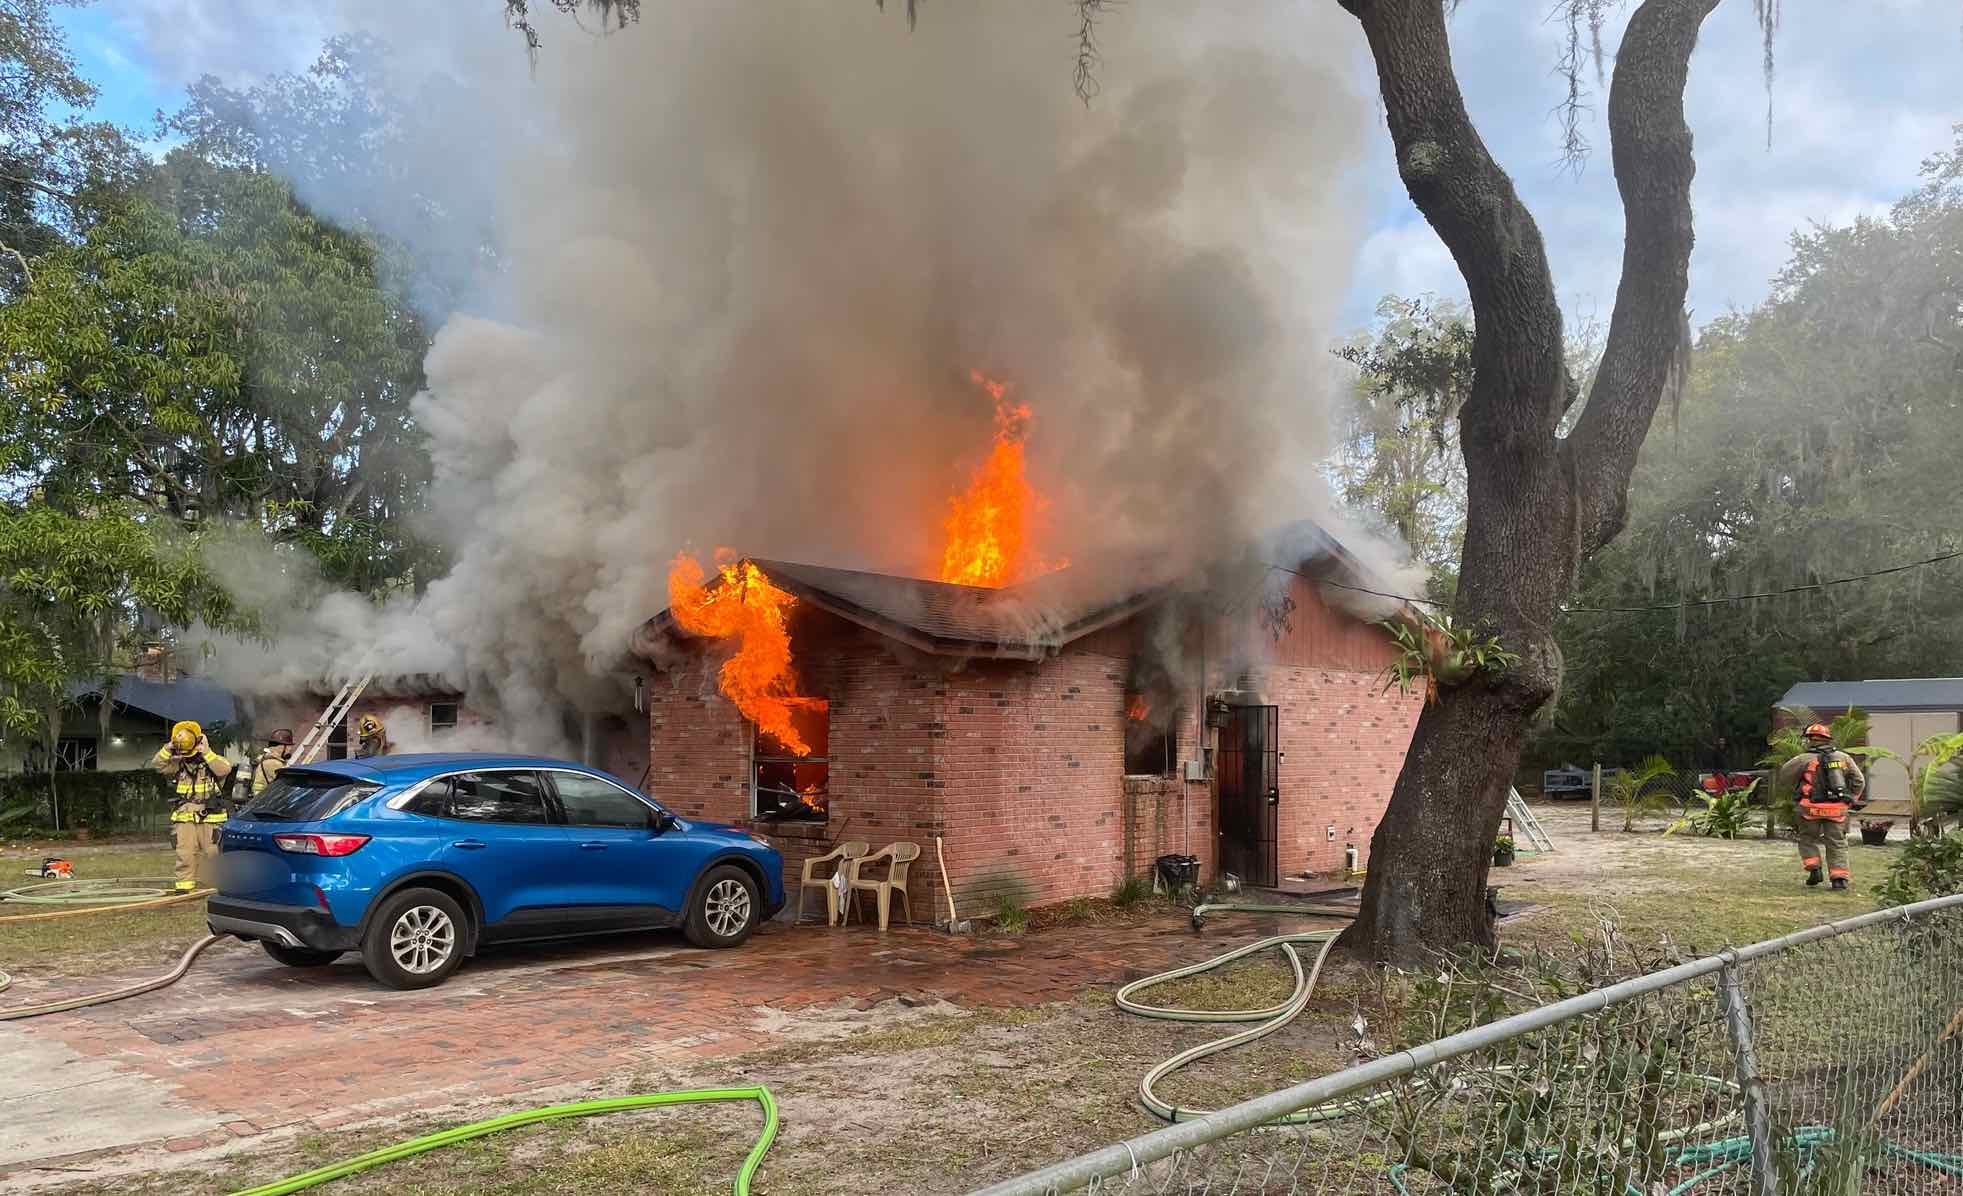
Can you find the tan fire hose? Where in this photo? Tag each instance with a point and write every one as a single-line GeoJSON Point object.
{"type": "Point", "coordinates": [153, 903]}
{"type": "Point", "coordinates": [136, 989]}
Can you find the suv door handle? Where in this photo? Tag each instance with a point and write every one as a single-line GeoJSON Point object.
{"type": "Point", "coordinates": [592, 846]}
{"type": "Point", "coordinates": [470, 844]}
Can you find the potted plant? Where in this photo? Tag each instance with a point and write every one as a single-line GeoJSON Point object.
{"type": "Point", "coordinates": [1874, 831]}
{"type": "Point", "coordinates": [1503, 852]}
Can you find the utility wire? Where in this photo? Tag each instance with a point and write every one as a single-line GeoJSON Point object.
{"type": "Point", "coordinates": [1697, 602]}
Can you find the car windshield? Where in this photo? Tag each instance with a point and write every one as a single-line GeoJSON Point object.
{"type": "Point", "coordinates": [297, 796]}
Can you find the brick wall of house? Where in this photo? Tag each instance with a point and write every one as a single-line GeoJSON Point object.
{"type": "Point", "coordinates": [1034, 762]}
{"type": "Point", "coordinates": [888, 735]}
{"type": "Point", "coordinates": [1344, 743]}
{"type": "Point", "coordinates": [1020, 765]}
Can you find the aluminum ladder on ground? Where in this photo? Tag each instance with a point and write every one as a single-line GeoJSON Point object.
{"type": "Point", "coordinates": [336, 713]}
{"type": "Point", "coordinates": [1523, 818]}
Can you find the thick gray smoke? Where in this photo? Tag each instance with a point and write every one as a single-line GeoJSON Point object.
{"type": "Point", "coordinates": [750, 254]}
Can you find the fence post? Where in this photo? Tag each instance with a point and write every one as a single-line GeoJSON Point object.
{"type": "Point", "coordinates": [1758, 1122]}
{"type": "Point", "coordinates": [1595, 799]}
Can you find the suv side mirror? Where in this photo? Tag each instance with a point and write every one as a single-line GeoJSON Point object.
{"type": "Point", "coordinates": [661, 822]}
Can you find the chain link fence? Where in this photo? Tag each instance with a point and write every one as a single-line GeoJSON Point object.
{"type": "Point", "coordinates": [1827, 1063]}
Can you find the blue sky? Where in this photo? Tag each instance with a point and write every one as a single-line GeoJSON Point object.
{"type": "Point", "coordinates": [1865, 91]}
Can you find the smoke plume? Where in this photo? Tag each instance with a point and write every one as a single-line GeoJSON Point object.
{"type": "Point", "coordinates": [749, 254]}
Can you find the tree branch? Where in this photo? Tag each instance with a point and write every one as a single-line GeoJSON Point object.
{"type": "Point", "coordinates": [1470, 202]}
{"type": "Point", "coordinates": [41, 187]}
{"type": "Point", "coordinates": [1651, 147]}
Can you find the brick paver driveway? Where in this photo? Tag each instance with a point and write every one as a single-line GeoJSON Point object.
{"type": "Point", "coordinates": [243, 1046]}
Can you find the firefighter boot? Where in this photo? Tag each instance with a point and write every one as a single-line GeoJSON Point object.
{"type": "Point", "coordinates": [1840, 884]}
{"type": "Point", "coordinates": [1813, 877]}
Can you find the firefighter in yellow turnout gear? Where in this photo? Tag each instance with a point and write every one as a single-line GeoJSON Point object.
{"type": "Point", "coordinates": [197, 808]}
{"type": "Point", "coordinates": [1827, 785]}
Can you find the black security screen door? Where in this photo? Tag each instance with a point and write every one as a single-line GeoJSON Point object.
{"type": "Point", "coordinates": [1250, 797]}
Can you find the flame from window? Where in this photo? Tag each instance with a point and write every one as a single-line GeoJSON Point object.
{"type": "Point", "coordinates": [988, 526]}
{"type": "Point", "coordinates": [741, 604]}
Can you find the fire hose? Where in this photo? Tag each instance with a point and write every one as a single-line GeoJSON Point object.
{"type": "Point", "coordinates": [112, 895]}
{"type": "Point", "coordinates": [1713, 1159]}
{"type": "Point", "coordinates": [589, 1108]}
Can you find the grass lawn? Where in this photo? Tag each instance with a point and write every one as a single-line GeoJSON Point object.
{"type": "Point", "coordinates": [951, 1104]}
{"type": "Point", "coordinates": [98, 941]}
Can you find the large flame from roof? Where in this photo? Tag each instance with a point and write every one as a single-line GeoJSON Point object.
{"type": "Point", "coordinates": [988, 525]}
{"type": "Point", "coordinates": [742, 605]}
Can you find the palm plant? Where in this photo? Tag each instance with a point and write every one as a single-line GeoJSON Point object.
{"type": "Point", "coordinates": [1850, 733]}
{"type": "Point", "coordinates": [1640, 790]}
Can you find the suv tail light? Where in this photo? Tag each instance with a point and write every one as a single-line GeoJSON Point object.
{"type": "Point", "coordinates": [331, 845]}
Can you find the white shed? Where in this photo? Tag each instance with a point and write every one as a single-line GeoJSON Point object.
{"type": "Point", "coordinates": [1904, 712]}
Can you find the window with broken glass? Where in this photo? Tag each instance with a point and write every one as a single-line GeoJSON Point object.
{"type": "Point", "coordinates": [788, 785]}
{"type": "Point", "coordinates": [1151, 738]}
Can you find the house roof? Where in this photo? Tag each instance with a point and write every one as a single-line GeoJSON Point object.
{"type": "Point", "coordinates": [194, 698]}
{"type": "Point", "coordinates": [1026, 621]}
{"type": "Point", "coordinates": [1903, 693]}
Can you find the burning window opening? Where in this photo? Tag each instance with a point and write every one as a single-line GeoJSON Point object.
{"type": "Point", "coordinates": [741, 605]}
{"type": "Point", "coordinates": [792, 786]}
{"type": "Point", "coordinates": [989, 526]}
{"type": "Point", "coordinates": [1151, 737]}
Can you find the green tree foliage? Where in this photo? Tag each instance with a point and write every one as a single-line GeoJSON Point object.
{"type": "Point", "coordinates": [212, 350]}
{"type": "Point", "coordinates": [1817, 440]}
{"type": "Point", "coordinates": [72, 588]}
{"type": "Point", "coordinates": [54, 164]}
{"type": "Point", "coordinates": [1399, 457]}
{"type": "Point", "coordinates": [358, 147]}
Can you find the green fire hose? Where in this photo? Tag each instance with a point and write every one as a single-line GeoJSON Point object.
{"type": "Point", "coordinates": [105, 896]}
{"type": "Point", "coordinates": [587, 1108]}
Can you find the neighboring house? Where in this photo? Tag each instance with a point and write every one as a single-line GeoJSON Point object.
{"type": "Point", "coordinates": [1057, 735]}
{"type": "Point", "coordinates": [424, 714]}
{"type": "Point", "coordinates": [1902, 713]}
{"type": "Point", "coordinates": [142, 712]}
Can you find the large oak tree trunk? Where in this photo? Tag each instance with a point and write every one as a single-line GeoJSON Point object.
{"type": "Point", "coordinates": [1537, 504]}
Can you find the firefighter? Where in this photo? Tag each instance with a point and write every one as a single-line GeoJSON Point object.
{"type": "Point", "coordinates": [197, 809]}
{"type": "Point", "coordinates": [1826, 785]}
{"type": "Point", "coordinates": [374, 740]}
{"type": "Point", "coordinates": [278, 748]}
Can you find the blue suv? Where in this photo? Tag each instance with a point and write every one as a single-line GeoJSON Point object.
{"type": "Point", "coordinates": [416, 861]}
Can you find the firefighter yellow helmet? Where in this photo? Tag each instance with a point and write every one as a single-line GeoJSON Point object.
{"type": "Point", "coordinates": [185, 735]}
{"type": "Point", "coordinates": [370, 725]}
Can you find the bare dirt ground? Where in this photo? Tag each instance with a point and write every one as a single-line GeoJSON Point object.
{"type": "Point", "coordinates": [911, 1063]}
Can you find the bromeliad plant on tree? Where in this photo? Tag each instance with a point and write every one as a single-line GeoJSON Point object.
{"type": "Point", "coordinates": [1433, 649]}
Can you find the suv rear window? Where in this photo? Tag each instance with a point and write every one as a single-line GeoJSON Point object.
{"type": "Point", "coordinates": [299, 796]}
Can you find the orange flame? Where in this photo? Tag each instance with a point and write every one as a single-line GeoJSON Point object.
{"type": "Point", "coordinates": [988, 525]}
{"type": "Point", "coordinates": [1137, 709]}
{"type": "Point", "coordinates": [741, 604]}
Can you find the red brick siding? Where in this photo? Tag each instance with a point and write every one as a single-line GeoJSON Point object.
{"type": "Point", "coordinates": [1020, 765]}
{"type": "Point", "coordinates": [1345, 743]}
{"type": "Point", "coordinates": [887, 735]}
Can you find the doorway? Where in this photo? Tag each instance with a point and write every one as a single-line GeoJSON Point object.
{"type": "Point", "coordinates": [1250, 794]}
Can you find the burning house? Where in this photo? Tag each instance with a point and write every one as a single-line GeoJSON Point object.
{"type": "Point", "coordinates": [1057, 734]}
